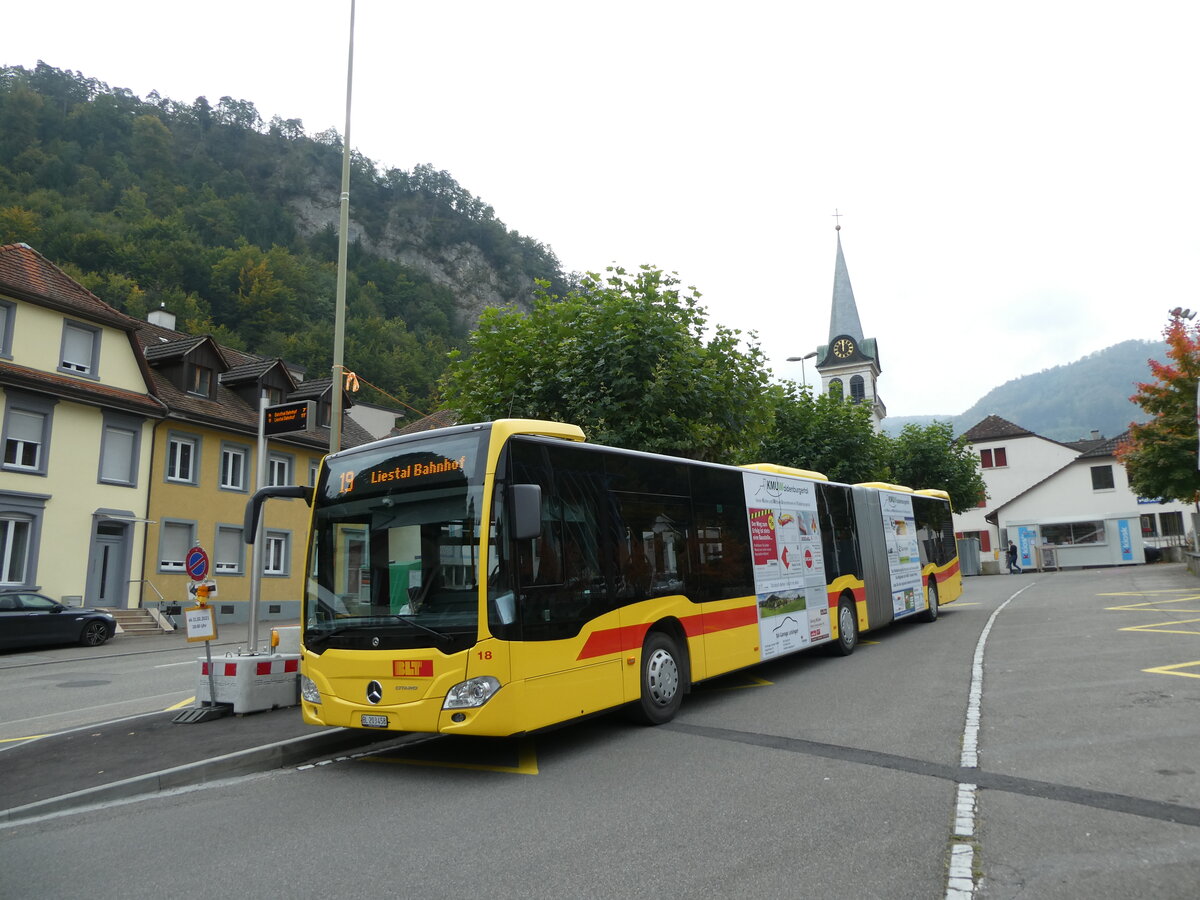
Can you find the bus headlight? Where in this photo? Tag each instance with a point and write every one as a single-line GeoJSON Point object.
{"type": "Point", "coordinates": [308, 690]}
{"type": "Point", "coordinates": [471, 693]}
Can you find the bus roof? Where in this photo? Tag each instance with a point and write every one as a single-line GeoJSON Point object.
{"type": "Point", "coordinates": [785, 470]}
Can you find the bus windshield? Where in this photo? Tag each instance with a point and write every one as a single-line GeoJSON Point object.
{"type": "Point", "coordinates": [394, 562]}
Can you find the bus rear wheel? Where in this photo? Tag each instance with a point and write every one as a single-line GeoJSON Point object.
{"type": "Point", "coordinates": [662, 680]}
{"type": "Point", "coordinates": [931, 614]}
{"type": "Point", "coordinates": [847, 619]}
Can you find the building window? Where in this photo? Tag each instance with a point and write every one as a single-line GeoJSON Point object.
{"type": "Point", "coordinates": [181, 459]}
{"type": "Point", "coordinates": [233, 467]}
{"type": "Point", "coordinates": [1171, 524]}
{"type": "Point", "coordinates": [8, 312]}
{"type": "Point", "coordinates": [175, 540]}
{"type": "Point", "coordinates": [276, 553]}
{"type": "Point", "coordinates": [995, 458]}
{"type": "Point", "coordinates": [858, 390]}
{"type": "Point", "coordinates": [1102, 478]}
{"type": "Point", "coordinates": [23, 437]}
{"type": "Point", "coordinates": [835, 388]}
{"type": "Point", "coordinates": [230, 551]}
{"type": "Point", "coordinates": [27, 424]}
{"type": "Point", "coordinates": [1149, 528]}
{"type": "Point", "coordinates": [200, 381]}
{"type": "Point", "coordinates": [279, 469]}
{"type": "Point", "coordinates": [984, 538]}
{"type": "Point", "coordinates": [314, 469]}
{"type": "Point", "coordinates": [14, 549]}
{"type": "Point", "coordinates": [274, 396]}
{"type": "Point", "coordinates": [119, 449]}
{"type": "Point", "coordinates": [1066, 534]}
{"type": "Point", "coordinates": [80, 349]}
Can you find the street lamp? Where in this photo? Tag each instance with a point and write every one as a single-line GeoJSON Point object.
{"type": "Point", "coordinates": [801, 359]}
{"type": "Point", "coordinates": [1179, 313]}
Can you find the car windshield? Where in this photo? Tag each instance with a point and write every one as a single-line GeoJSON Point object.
{"type": "Point", "coordinates": [394, 561]}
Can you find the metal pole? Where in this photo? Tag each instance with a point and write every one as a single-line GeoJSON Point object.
{"type": "Point", "coordinates": [339, 321]}
{"type": "Point", "coordinates": [256, 549]}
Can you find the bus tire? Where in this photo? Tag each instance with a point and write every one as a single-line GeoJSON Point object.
{"type": "Point", "coordinates": [931, 594]}
{"type": "Point", "coordinates": [662, 680]}
{"type": "Point", "coordinates": [847, 638]}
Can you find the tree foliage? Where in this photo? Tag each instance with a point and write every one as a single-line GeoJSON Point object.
{"type": "Point", "coordinates": [1160, 456]}
{"type": "Point", "coordinates": [932, 457]}
{"type": "Point", "coordinates": [625, 357]}
{"type": "Point", "coordinates": [825, 434]}
{"type": "Point", "coordinates": [192, 206]}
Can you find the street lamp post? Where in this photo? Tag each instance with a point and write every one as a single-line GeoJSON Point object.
{"type": "Point", "coordinates": [801, 359]}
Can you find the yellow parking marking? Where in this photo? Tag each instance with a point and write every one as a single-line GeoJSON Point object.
{"type": "Point", "coordinates": [1162, 627]}
{"type": "Point", "coordinates": [1170, 670]}
{"type": "Point", "coordinates": [1158, 604]}
{"type": "Point", "coordinates": [28, 737]}
{"type": "Point", "coordinates": [526, 765]}
{"type": "Point", "coordinates": [754, 682]}
{"type": "Point", "coordinates": [181, 704]}
{"type": "Point", "coordinates": [1147, 593]}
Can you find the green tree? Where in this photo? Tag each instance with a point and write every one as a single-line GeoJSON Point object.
{"type": "Point", "coordinates": [1160, 455]}
{"type": "Point", "coordinates": [624, 357]}
{"type": "Point", "coordinates": [932, 457]}
{"type": "Point", "coordinates": [824, 434]}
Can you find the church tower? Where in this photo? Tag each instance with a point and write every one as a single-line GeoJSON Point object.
{"type": "Point", "coordinates": [849, 363]}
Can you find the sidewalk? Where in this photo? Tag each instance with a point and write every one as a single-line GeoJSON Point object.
{"type": "Point", "coordinates": [151, 752]}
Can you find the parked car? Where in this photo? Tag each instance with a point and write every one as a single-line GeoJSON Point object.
{"type": "Point", "coordinates": [28, 620]}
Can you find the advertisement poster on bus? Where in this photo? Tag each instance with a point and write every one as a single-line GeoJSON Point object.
{"type": "Point", "coordinates": [903, 552]}
{"type": "Point", "coordinates": [789, 572]}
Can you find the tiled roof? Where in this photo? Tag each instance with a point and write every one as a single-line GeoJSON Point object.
{"type": "Point", "coordinates": [29, 276]}
{"type": "Point", "coordinates": [1103, 447]}
{"type": "Point", "coordinates": [80, 390]}
{"type": "Point", "coordinates": [249, 371]}
{"type": "Point", "coordinates": [443, 418]}
{"type": "Point", "coordinates": [178, 349]}
{"type": "Point", "coordinates": [994, 428]}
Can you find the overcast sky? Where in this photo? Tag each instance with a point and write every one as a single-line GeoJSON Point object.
{"type": "Point", "coordinates": [1018, 182]}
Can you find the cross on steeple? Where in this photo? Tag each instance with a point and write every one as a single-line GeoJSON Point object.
{"type": "Point", "coordinates": [837, 215]}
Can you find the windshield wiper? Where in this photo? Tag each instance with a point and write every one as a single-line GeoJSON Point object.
{"type": "Point", "coordinates": [365, 624]}
{"type": "Point", "coordinates": [440, 635]}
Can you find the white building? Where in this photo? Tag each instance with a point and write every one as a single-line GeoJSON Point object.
{"type": "Point", "coordinates": [1063, 504]}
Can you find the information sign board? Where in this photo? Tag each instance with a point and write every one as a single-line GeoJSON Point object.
{"type": "Point", "coordinates": [286, 417]}
{"type": "Point", "coordinates": [201, 623]}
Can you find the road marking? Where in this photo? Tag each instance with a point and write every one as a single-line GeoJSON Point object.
{"type": "Point", "coordinates": [28, 737]}
{"type": "Point", "coordinates": [181, 704]}
{"type": "Point", "coordinates": [1170, 670]}
{"type": "Point", "coordinates": [1162, 627]}
{"type": "Point", "coordinates": [190, 662]}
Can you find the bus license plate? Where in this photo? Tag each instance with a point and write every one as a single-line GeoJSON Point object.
{"type": "Point", "coordinates": [374, 721]}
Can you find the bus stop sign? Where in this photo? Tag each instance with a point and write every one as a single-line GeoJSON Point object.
{"type": "Point", "coordinates": [197, 564]}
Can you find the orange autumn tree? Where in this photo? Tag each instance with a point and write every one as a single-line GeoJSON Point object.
{"type": "Point", "coordinates": [1160, 456]}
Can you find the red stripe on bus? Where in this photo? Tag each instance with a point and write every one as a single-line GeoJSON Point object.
{"type": "Point", "coordinates": [630, 637]}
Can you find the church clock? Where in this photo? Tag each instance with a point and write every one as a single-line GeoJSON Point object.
{"type": "Point", "coordinates": [843, 348]}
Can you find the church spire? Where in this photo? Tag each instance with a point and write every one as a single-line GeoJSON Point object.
{"type": "Point", "coordinates": [843, 318]}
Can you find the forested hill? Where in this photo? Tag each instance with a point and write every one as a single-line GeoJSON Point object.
{"type": "Point", "coordinates": [230, 222]}
{"type": "Point", "coordinates": [1067, 402]}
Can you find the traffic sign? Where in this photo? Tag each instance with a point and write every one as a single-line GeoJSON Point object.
{"type": "Point", "coordinates": [197, 564]}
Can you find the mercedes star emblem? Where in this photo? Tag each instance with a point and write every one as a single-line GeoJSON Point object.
{"type": "Point", "coordinates": [374, 691]}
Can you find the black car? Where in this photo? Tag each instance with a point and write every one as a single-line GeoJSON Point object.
{"type": "Point", "coordinates": [28, 620]}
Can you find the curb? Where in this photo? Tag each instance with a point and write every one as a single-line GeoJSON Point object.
{"type": "Point", "coordinates": [243, 762]}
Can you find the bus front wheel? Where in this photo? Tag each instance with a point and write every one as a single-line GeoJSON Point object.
{"type": "Point", "coordinates": [847, 620]}
{"type": "Point", "coordinates": [662, 680]}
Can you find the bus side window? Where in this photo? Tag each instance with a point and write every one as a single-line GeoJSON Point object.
{"type": "Point", "coordinates": [721, 537]}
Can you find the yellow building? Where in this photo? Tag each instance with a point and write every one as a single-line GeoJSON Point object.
{"type": "Point", "coordinates": [77, 430]}
{"type": "Point", "coordinates": [205, 467]}
{"type": "Point", "coordinates": [127, 443]}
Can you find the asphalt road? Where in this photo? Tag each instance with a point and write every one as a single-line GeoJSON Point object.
{"type": "Point", "coordinates": [807, 777]}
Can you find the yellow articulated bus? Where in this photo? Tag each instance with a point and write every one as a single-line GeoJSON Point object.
{"type": "Point", "coordinates": [501, 578]}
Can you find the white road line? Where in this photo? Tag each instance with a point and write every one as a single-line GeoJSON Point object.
{"type": "Point", "coordinates": [960, 880]}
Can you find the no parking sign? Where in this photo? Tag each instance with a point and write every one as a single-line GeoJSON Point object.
{"type": "Point", "coordinates": [197, 564]}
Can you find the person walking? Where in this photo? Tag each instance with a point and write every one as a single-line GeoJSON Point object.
{"type": "Point", "coordinates": [1012, 560]}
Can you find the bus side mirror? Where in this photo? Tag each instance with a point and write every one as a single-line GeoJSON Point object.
{"type": "Point", "coordinates": [525, 503]}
